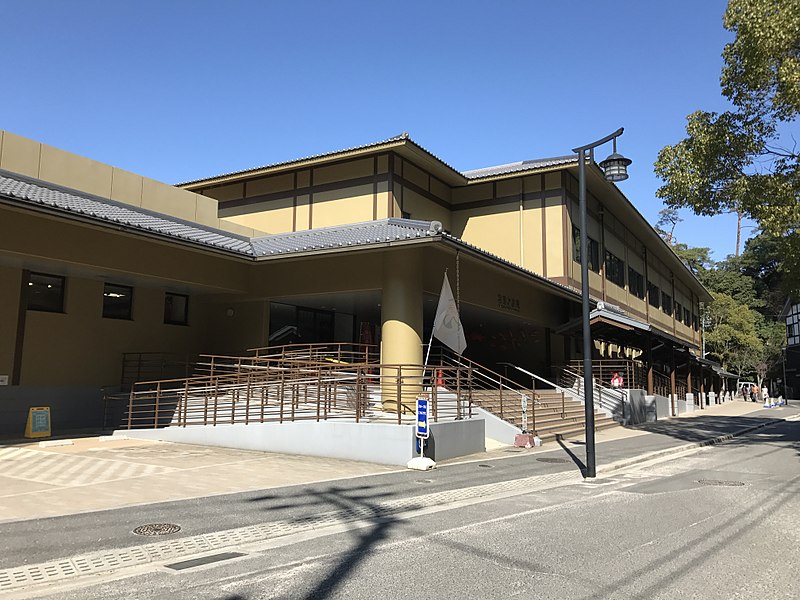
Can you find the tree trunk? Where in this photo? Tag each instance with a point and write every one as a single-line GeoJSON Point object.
{"type": "Point", "coordinates": [738, 230]}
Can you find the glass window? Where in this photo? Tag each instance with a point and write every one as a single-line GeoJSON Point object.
{"type": "Point", "coordinates": [615, 269]}
{"type": "Point", "coordinates": [176, 309]}
{"type": "Point", "coordinates": [687, 317]}
{"type": "Point", "coordinates": [678, 311]}
{"type": "Point", "coordinates": [594, 250]}
{"type": "Point", "coordinates": [635, 283]}
{"type": "Point", "coordinates": [654, 295]}
{"type": "Point", "coordinates": [666, 303]}
{"type": "Point", "coordinates": [117, 301]}
{"type": "Point", "coordinates": [45, 292]}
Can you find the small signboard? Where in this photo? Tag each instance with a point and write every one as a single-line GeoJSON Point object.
{"type": "Point", "coordinates": [422, 418]}
{"type": "Point", "coordinates": [38, 424]}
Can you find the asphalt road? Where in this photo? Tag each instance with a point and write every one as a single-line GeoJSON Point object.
{"type": "Point", "coordinates": [723, 522]}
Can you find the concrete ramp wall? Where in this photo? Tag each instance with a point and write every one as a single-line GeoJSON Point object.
{"type": "Point", "coordinates": [383, 443]}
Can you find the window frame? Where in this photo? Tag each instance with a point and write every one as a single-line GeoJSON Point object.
{"type": "Point", "coordinates": [667, 304]}
{"type": "Point", "coordinates": [129, 289]}
{"type": "Point", "coordinates": [42, 307]}
{"type": "Point", "coordinates": [615, 269]}
{"type": "Point", "coordinates": [653, 290]}
{"type": "Point", "coordinates": [594, 249]}
{"type": "Point", "coordinates": [167, 319]}
{"type": "Point", "coordinates": [635, 277]}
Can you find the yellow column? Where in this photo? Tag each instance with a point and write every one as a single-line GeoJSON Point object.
{"type": "Point", "coordinates": [401, 330]}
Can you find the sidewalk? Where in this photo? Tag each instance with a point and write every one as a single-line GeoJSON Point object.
{"type": "Point", "coordinates": [100, 473]}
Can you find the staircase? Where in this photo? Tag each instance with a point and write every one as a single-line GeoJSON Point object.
{"type": "Point", "coordinates": [546, 415]}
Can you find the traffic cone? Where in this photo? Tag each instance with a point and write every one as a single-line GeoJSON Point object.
{"type": "Point", "coordinates": [439, 379]}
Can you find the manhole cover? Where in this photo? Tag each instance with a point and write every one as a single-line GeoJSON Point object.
{"type": "Point", "coordinates": [157, 529]}
{"type": "Point", "coordinates": [720, 482]}
{"type": "Point", "coordinates": [485, 466]}
{"type": "Point", "coordinates": [546, 459]}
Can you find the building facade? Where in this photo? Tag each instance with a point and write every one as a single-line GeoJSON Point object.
{"type": "Point", "coordinates": [99, 264]}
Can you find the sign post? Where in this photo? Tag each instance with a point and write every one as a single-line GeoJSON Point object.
{"type": "Point", "coordinates": [422, 423]}
{"type": "Point", "coordinates": [422, 433]}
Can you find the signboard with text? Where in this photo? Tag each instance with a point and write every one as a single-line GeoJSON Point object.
{"type": "Point", "coordinates": [38, 424]}
{"type": "Point", "coordinates": [422, 418]}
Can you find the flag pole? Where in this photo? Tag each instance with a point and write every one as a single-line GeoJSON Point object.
{"type": "Point", "coordinates": [430, 342]}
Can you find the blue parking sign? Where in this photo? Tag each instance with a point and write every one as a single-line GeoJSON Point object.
{"type": "Point", "coordinates": [422, 418]}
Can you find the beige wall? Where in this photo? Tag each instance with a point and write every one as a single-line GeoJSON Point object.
{"type": "Point", "coordinates": [79, 346]}
{"type": "Point", "coordinates": [10, 280]}
{"type": "Point", "coordinates": [69, 246]}
{"type": "Point", "coordinates": [34, 159]}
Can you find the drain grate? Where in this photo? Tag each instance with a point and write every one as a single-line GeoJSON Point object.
{"type": "Point", "coordinates": [485, 466]}
{"type": "Point", "coordinates": [720, 482]}
{"type": "Point", "coordinates": [204, 560]}
{"type": "Point", "coordinates": [157, 529]}
{"type": "Point", "coordinates": [546, 459]}
{"type": "Point", "coordinates": [514, 450]}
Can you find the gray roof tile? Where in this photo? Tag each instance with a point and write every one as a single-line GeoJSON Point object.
{"type": "Point", "coordinates": [36, 192]}
{"type": "Point", "coordinates": [525, 165]}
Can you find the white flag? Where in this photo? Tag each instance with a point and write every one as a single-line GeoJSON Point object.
{"type": "Point", "coordinates": [447, 326]}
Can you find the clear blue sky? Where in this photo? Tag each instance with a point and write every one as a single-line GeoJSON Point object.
{"type": "Point", "coordinates": [183, 90]}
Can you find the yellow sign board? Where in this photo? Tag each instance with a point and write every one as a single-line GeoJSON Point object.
{"type": "Point", "coordinates": [38, 422]}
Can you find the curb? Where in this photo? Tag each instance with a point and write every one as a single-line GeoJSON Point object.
{"type": "Point", "coordinates": [621, 464]}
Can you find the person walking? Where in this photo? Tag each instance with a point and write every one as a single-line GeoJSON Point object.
{"type": "Point", "coordinates": [616, 380]}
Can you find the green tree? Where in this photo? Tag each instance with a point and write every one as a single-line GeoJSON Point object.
{"type": "Point", "coordinates": [668, 219]}
{"type": "Point", "coordinates": [734, 161]}
{"type": "Point", "coordinates": [732, 335]}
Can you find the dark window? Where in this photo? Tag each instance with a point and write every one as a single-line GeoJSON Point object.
{"type": "Point", "coordinates": [45, 292]}
{"type": "Point", "coordinates": [635, 283]}
{"type": "Point", "coordinates": [666, 303]}
{"type": "Point", "coordinates": [176, 309]}
{"type": "Point", "coordinates": [695, 322]}
{"type": "Point", "coordinates": [615, 269]}
{"type": "Point", "coordinates": [117, 301]}
{"type": "Point", "coordinates": [687, 317]}
{"type": "Point", "coordinates": [654, 295]}
{"type": "Point", "coordinates": [594, 250]}
{"type": "Point", "coordinates": [405, 214]}
{"type": "Point", "coordinates": [678, 311]}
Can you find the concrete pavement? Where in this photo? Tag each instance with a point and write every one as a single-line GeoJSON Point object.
{"type": "Point", "coordinates": [95, 474]}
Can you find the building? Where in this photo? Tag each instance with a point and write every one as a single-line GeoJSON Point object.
{"type": "Point", "coordinates": [791, 358]}
{"type": "Point", "coordinates": [99, 264]}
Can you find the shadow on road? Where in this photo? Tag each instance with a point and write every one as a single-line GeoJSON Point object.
{"type": "Point", "coordinates": [702, 428]}
{"type": "Point", "coordinates": [337, 505]}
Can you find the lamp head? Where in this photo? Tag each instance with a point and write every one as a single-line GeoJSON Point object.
{"type": "Point", "coordinates": [615, 167]}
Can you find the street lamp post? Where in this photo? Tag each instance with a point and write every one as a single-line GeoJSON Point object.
{"type": "Point", "coordinates": [616, 169]}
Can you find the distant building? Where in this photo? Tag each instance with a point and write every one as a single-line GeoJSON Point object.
{"type": "Point", "coordinates": [791, 312]}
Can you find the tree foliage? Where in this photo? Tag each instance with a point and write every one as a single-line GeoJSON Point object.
{"type": "Point", "coordinates": [735, 161]}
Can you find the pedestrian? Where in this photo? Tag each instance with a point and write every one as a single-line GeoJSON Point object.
{"type": "Point", "coordinates": [754, 393]}
{"type": "Point", "coordinates": [616, 380]}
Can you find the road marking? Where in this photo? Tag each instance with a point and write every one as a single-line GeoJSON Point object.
{"type": "Point", "coordinates": [114, 559]}
{"type": "Point", "coordinates": [69, 470]}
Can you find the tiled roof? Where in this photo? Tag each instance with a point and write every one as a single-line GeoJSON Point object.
{"type": "Point", "coordinates": [58, 199]}
{"type": "Point", "coordinates": [35, 192]}
{"type": "Point", "coordinates": [343, 236]}
{"type": "Point", "coordinates": [396, 138]}
{"type": "Point", "coordinates": [525, 165]}
{"type": "Point", "coordinates": [64, 200]}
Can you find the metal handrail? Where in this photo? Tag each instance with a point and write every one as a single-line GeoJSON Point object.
{"type": "Point", "coordinates": [291, 390]}
{"type": "Point", "coordinates": [622, 394]}
{"type": "Point", "coordinates": [497, 380]}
